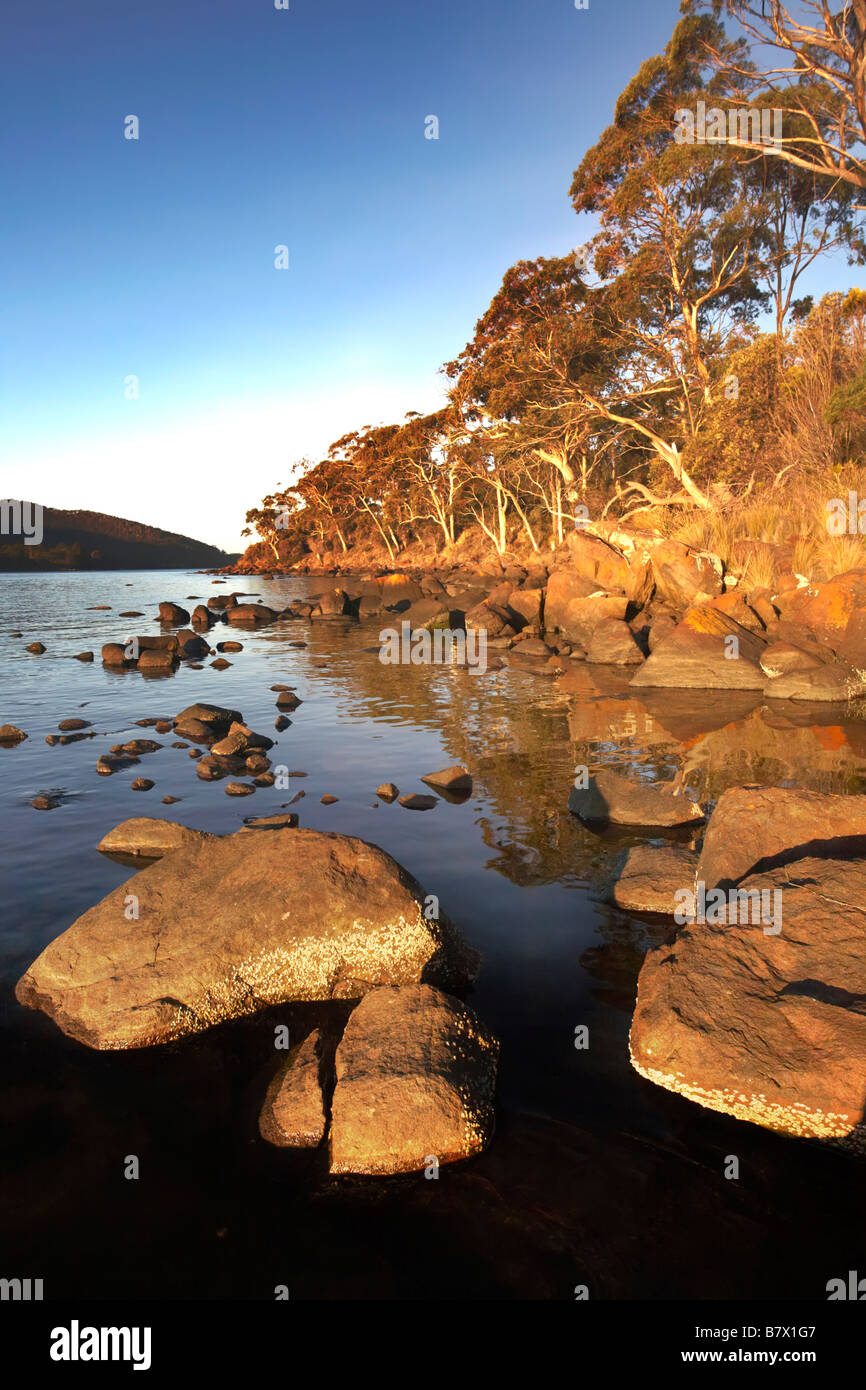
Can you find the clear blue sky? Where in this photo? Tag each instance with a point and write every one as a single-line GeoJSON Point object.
{"type": "Point", "coordinates": [155, 258]}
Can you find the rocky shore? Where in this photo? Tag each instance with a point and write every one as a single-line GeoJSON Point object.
{"type": "Point", "coordinates": [753, 1005]}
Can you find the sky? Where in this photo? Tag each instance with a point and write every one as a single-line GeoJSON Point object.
{"type": "Point", "coordinates": [155, 363]}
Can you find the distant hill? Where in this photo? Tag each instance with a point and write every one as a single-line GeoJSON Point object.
{"type": "Point", "coordinates": [94, 541]}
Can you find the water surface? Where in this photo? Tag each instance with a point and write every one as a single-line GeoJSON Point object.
{"type": "Point", "coordinates": [594, 1176]}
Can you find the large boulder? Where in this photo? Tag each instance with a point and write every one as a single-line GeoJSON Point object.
{"type": "Point", "coordinates": [827, 608]}
{"type": "Point", "coordinates": [614, 644]}
{"type": "Point", "coordinates": [706, 651]}
{"type": "Point", "coordinates": [334, 603]}
{"type": "Point", "coordinates": [755, 829]}
{"type": "Point", "coordinates": [232, 925]}
{"type": "Point", "coordinates": [597, 561]}
{"type": "Point", "coordinates": [527, 604]}
{"type": "Point", "coordinates": [564, 588]}
{"type": "Point", "coordinates": [416, 1072]}
{"type": "Point", "coordinates": [399, 588]}
{"type": "Point", "coordinates": [575, 613]}
{"type": "Point", "coordinates": [761, 1023]}
{"type": "Point", "coordinates": [783, 658]}
{"type": "Point", "coordinates": [609, 798]}
{"type": "Point", "coordinates": [495, 622]}
{"type": "Point", "coordinates": [685, 577]}
{"type": "Point", "coordinates": [150, 838]}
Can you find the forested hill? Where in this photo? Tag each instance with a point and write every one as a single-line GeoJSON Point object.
{"type": "Point", "coordinates": [73, 540]}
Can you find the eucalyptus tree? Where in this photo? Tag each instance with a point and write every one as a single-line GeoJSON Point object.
{"type": "Point", "coordinates": [679, 251]}
{"type": "Point", "coordinates": [810, 56]}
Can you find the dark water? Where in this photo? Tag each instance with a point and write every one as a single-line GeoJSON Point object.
{"type": "Point", "coordinates": [594, 1176]}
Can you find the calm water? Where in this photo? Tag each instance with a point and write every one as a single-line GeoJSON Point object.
{"type": "Point", "coordinates": [594, 1176]}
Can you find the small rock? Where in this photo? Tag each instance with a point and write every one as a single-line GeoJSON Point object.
{"type": "Point", "coordinates": [114, 654]}
{"type": "Point", "coordinates": [109, 763]}
{"type": "Point", "coordinates": [173, 613]}
{"type": "Point", "coordinates": [83, 656]}
{"type": "Point", "coordinates": [450, 779]}
{"type": "Point", "coordinates": [328, 800]}
{"type": "Point", "coordinates": [284, 822]}
{"type": "Point", "coordinates": [651, 878]}
{"type": "Point", "coordinates": [281, 722]}
{"type": "Point", "coordinates": [9, 734]}
{"type": "Point", "coordinates": [150, 837]}
{"type": "Point", "coordinates": [36, 647]}
{"type": "Point", "coordinates": [293, 1113]}
{"type": "Point", "coordinates": [416, 802]}
{"type": "Point", "coordinates": [66, 725]}
{"type": "Point", "coordinates": [142, 784]}
{"type": "Point", "coordinates": [44, 803]}
{"type": "Point", "coordinates": [238, 788]}
{"type": "Point", "coordinates": [388, 791]}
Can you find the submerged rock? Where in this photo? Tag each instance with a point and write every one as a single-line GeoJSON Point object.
{"type": "Point", "coordinates": [150, 837]}
{"type": "Point", "coordinates": [652, 876]}
{"type": "Point", "coordinates": [609, 798]}
{"type": "Point", "coordinates": [9, 734]}
{"type": "Point", "coordinates": [416, 1074]}
{"type": "Point", "coordinates": [613, 643]}
{"type": "Point", "coordinates": [250, 614]}
{"type": "Point", "coordinates": [232, 925]}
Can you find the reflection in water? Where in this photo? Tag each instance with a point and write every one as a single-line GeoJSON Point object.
{"type": "Point", "coordinates": [593, 1176]}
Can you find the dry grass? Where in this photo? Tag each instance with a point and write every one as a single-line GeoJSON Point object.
{"type": "Point", "coordinates": [792, 518]}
